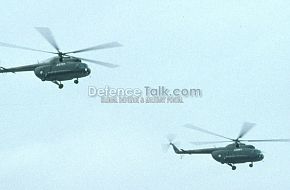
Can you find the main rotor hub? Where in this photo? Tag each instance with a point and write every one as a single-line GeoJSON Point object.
{"type": "Point", "coordinates": [60, 54]}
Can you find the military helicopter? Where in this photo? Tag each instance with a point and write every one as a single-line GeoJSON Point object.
{"type": "Point", "coordinates": [235, 153]}
{"type": "Point", "coordinates": [61, 67]}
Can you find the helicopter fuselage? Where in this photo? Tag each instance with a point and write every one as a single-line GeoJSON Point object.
{"type": "Point", "coordinates": [235, 155]}
{"type": "Point", "coordinates": [68, 69]}
{"type": "Point", "coordinates": [230, 154]}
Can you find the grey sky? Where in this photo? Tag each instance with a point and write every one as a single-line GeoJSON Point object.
{"type": "Point", "coordinates": [237, 52]}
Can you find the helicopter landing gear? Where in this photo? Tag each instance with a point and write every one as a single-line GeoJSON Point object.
{"type": "Point", "coordinates": [251, 165]}
{"type": "Point", "coordinates": [233, 167]}
{"type": "Point", "coordinates": [60, 86]}
{"type": "Point", "coordinates": [76, 81]}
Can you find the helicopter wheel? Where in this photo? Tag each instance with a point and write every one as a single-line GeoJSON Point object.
{"type": "Point", "coordinates": [251, 165]}
{"type": "Point", "coordinates": [76, 81]}
{"type": "Point", "coordinates": [233, 167]}
{"type": "Point", "coordinates": [60, 86]}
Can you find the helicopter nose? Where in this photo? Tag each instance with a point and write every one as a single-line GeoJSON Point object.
{"type": "Point", "coordinates": [261, 156]}
{"type": "Point", "coordinates": [87, 70]}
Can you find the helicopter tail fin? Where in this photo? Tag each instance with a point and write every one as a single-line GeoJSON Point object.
{"type": "Point", "coordinates": [176, 150]}
{"type": "Point", "coordinates": [4, 70]}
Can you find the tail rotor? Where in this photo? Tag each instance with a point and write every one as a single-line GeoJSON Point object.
{"type": "Point", "coordinates": [171, 141]}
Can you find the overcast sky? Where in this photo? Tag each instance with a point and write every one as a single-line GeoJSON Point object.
{"type": "Point", "coordinates": [237, 52]}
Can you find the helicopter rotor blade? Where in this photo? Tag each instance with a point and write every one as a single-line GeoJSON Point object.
{"type": "Point", "coordinates": [267, 140]}
{"type": "Point", "coordinates": [98, 47]}
{"type": "Point", "coordinates": [165, 147]}
{"type": "Point", "coordinates": [245, 129]}
{"type": "Point", "coordinates": [171, 137]}
{"type": "Point", "coordinates": [207, 142]}
{"type": "Point", "coordinates": [47, 34]}
{"type": "Point", "coordinates": [110, 65]}
{"type": "Point", "coordinates": [24, 48]}
{"type": "Point", "coordinates": [206, 131]}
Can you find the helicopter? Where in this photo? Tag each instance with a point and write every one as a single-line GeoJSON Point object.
{"type": "Point", "coordinates": [234, 153]}
{"type": "Point", "coordinates": [61, 67]}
